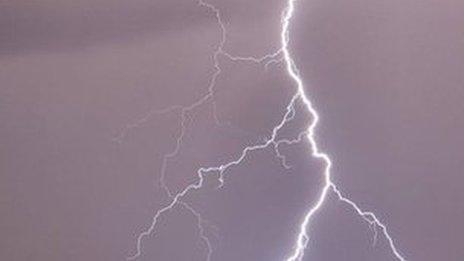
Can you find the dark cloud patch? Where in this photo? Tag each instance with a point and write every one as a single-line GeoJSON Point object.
{"type": "Point", "coordinates": [66, 25]}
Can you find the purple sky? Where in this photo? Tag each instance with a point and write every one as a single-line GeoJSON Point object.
{"type": "Point", "coordinates": [82, 145]}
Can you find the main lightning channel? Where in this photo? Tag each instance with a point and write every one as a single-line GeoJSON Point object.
{"type": "Point", "coordinates": [303, 237]}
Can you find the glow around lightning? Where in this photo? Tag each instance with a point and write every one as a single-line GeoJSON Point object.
{"type": "Point", "coordinates": [283, 54]}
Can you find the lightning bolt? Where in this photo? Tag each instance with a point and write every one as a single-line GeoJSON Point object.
{"type": "Point", "coordinates": [303, 237]}
{"type": "Point", "coordinates": [283, 54]}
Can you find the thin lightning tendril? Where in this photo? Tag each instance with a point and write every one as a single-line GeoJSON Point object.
{"type": "Point", "coordinates": [184, 112]}
{"type": "Point", "coordinates": [281, 55]}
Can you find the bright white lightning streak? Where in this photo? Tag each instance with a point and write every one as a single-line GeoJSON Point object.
{"type": "Point", "coordinates": [329, 186]}
{"type": "Point", "coordinates": [303, 237]}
